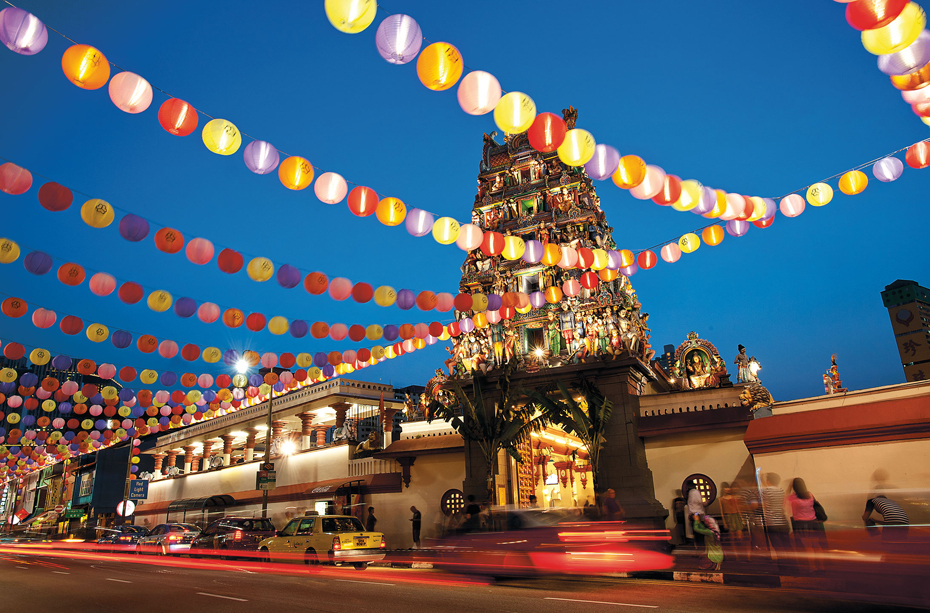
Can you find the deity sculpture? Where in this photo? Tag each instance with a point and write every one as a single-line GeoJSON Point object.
{"type": "Point", "coordinates": [697, 371]}
{"type": "Point", "coordinates": [555, 335]}
{"type": "Point", "coordinates": [743, 374]}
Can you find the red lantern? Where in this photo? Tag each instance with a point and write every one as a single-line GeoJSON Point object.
{"type": "Point", "coordinates": [747, 209]}
{"type": "Point", "coordinates": [14, 351]}
{"type": "Point", "coordinates": [764, 223]}
{"type": "Point", "coordinates": [362, 292]}
{"type": "Point", "coordinates": [507, 312]}
{"type": "Point", "coordinates": [229, 261]}
{"type": "Point", "coordinates": [316, 283]}
{"type": "Point", "coordinates": [436, 329]}
{"type": "Point", "coordinates": [14, 307]}
{"type": "Point", "coordinates": [147, 343]}
{"type": "Point", "coordinates": [492, 244]}
{"type": "Point", "coordinates": [55, 197]}
{"type": "Point", "coordinates": [286, 360]}
{"type": "Point", "coordinates": [873, 14]}
{"type": "Point", "coordinates": [190, 352]}
{"type": "Point", "coordinates": [363, 355]}
{"type": "Point", "coordinates": [334, 358]}
{"type": "Point", "coordinates": [130, 293]}
{"type": "Point", "coordinates": [463, 302]}
{"type": "Point", "coordinates": [169, 240]}
{"type": "Point", "coordinates": [127, 374]}
{"type": "Point", "coordinates": [71, 325]}
{"type": "Point", "coordinates": [589, 280]}
{"type": "Point", "coordinates": [363, 201]}
{"type": "Point", "coordinates": [177, 117]}
{"type": "Point", "coordinates": [426, 301]}
{"type": "Point", "coordinates": [646, 259]}
{"type": "Point", "coordinates": [223, 380]}
{"type": "Point", "coordinates": [547, 132]}
{"type": "Point", "coordinates": [454, 329]}
{"type": "Point", "coordinates": [585, 258]}
{"type": "Point", "coordinates": [233, 318]}
{"type": "Point", "coordinates": [918, 155]}
{"type": "Point", "coordinates": [671, 191]}
{"type": "Point", "coordinates": [255, 322]}
{"type": "Point", "coordinates": [399, 349]}
{"type": "Point", "coordinates": [71, 274]}
{"type": "Point", "coordinates": [319, 329]}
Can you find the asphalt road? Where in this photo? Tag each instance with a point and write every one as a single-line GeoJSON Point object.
{"type": "Point", "coordinates": [90, 583]}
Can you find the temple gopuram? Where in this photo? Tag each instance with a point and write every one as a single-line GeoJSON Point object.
{"type": "Point", "coordinates": [543, 314]}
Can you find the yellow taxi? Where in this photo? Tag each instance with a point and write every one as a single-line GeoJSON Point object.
{"type": "Point", "coordinates": [325, 539]}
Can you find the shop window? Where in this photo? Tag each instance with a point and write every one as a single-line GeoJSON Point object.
{"type": "Point", "coordinates": [704, 484]}
{"type": "Point", "coordinates": [453, 501]}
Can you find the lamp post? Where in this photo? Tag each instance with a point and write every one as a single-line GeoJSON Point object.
{"type": "Point", "coordinates": [267, 459]}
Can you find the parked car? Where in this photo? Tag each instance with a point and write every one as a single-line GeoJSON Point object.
{"type": "Point", "coordinates": [230, 535]}
{"type": "Point", "coordinates": [325, 539]}
{"type": "Point", "coordinates": [120, 538]}
{"type": "Point", "coordinates": [555, 542]}
{"type": "Point", "coordinates": [168, 539]}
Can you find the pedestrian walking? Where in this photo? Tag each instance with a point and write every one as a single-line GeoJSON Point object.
{"type": "Point", "coordinates": [777, 527]}
{"type": "Point", "coordinates": [472, 521]}
{"type": "Point", "coordinates": [732, 520]}
{"type": "Point", "coordinates": [372, 521]}
{"type": "Point", "coordinates": [809, 535]}
{"type": "Point", "coordinates": [894, 520]}
{"type": "Point", "coordinates": [695, 504]}
{"type": "Point", "coordinates": [705, 526]}
{"type": "Point", "coordinates": [612, 509]}
{"type": "Point", "coordinates": [753, 519]}
{"type": "Point", "coordinates": [415, 525]}
{"type": "Point", "coordinates": [678, 508]}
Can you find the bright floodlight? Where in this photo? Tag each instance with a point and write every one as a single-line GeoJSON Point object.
{"type": "Point", "coordinates": [288, 448]}
{"type": "Point", "coordinates": [539, 352]}
{"type": "Point", "coordinates": [242, 366]}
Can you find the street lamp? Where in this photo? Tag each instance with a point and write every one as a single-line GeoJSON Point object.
{"type": "Point", "coordinates": [754, 367]}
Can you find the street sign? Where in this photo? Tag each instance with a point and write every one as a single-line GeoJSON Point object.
{"type": "Point", "coordinates": [265, 480]}
{"type": "Point", "coordinates": [267, 466]}
{"type": "Point", "coordinates": [138, 489]}
{"type": "Point", "coordinates": [59, 508]}
{"type": "Point", "coordinates": [73, 514]}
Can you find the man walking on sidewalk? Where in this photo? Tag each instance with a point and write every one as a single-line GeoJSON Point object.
{"type": "Point", "coordinates": [416, 526]}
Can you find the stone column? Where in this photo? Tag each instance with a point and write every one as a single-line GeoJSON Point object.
{"type": "Point", "coordinates": [207, 447]}
{"type": "Point", "coordinates": [306, 430]}
{"type": "Point", "coordinates": [159, 458]}
{"type": "Point", "coordinates": [388, 425]}
{"type": "Point", "coordinates": [172, 459]}
{"type": "Point", "coordinates": [227, 448]}
{"type": "Point", "coordinates": [188, 458]}
{"type": "Point", "coordinates": [250, 443]}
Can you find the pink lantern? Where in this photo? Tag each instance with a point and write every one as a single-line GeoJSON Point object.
{"type": "Point", "coordinates": [652, 184]}
{"type": "Point", "coordinates": [69, 387]}
{"type": "Point", "coordinates": [22, 32]}
{"type": "Point", "coordinates": [571, 287]}
{"type": "Point", "coordinates": [493, 316]}
{"type": "Point", "coordinates": [96, 410]}
{"type": "Point", "coordinates": [106, 371]}
{"type": "Point", "coordinates": [130, 92]}
{"type": "Point", "coordinates": [14, 180]}
{"type": "Point", "coordinates": [479, 92]}
{"type": "Point", "coordinates": [916, 96]}
{"type": "Point", "coordinates": [43, 318]}
{"type": "Point", "coordinates": [14, 402]}
{"type": "Point", "coordinates": [286, 377]}
{"type": "Point", "coordinates": [736, 205]}
{"type": "Point", "coordinates": [102, 284]}
{"type": "Point", "coordinates": [670, 253]}
{"type": "Point", "coordinates": [199, 251]}
{"type": "Point", "coordinates": [261, 157]}
{"type": "Point", "coordinates": [58, 423]}
{"type": "Point", "coordinates": [208, 312]}
{"type": "Point", "coordinates": [167, 349]}
{"type": "Point", "coordinates": [792, 205]}
{"type": "Point", "coordinates": [409, 346]}
{"type": "Point", "coordinates": [421, 330]}
{"type": "Point", "coordinates": [349, 356]}
{"type": "Point", "coordinates": [444, 302]}
{"type": "Point", "coordinates": [337, 332]}
{"type": "Point", "coordinates": [269, 360]}
{"type": "Point", "coordinates": [569, 258]}
{"type": "Point", "coordinates": [330, 188]}
{"type": "Point", "coordinates": [470, 237]}
{"type": "Point", "coordinates": [340, 288]}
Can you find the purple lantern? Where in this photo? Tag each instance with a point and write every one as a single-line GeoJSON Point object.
{"type": "Point", "coordinates": [466, 325]}
{"type": "Point", "coordinates": [168, 378]}
{"type": "Point", "coordinates": [613, 260]}
{"type": "Point", "coordinates": [888, 169]}
{"type": "Point", "coordinates": [537, 299]}
{"type": "Point", "coordinates": [604, 164]}
{"type": "Point", "coordinates": [260, 157]}
{"type": "Point", "coordinates": [133, 228]}
{"type": "Point", "coordinates": [390, 332]}
{"type": "Point", "coordinates": [630, 270]}
{"type": "Point", "coordinates": [185, 307]}
{"type": "Point", "coordinates": [913, 57]}
{"type": "Point", "coordinates": [706, 202]}
{"type": "Point", "coordinates": [288, 276]}
{"type": "Point", "coordinates": [398, 39]}
{"type": "Point", "coordinates": [255, 380]}
{"type": "Point", "coordinates": [65, 407]}
{"type": "Point", "coordinates": [770, 208]}
{"type": "Point", "coordinates": [230, 357]}
{"type": "Point", "coordinates": [126, 394]}
{"type": "Point", "coordinates": [419, 222]}
{"type": "Point", "coordinates": [28, 379]}
{"type": "Point", "coordinates": [495, 302]}
{"type": "Point", "coordinates": [320, 359]}
{"type": "Point", "coordinates": [533, 252]}
{"type": "Point", "coordinates": [737, 228]}
{"type": "Point", "coordinates": [121, 339]}
{"type": "Point", "coordinates": [406, 299]}
{"type": "Point", "coordinates": [22, 32]}
{"type": "Point", "coordinates": [329, 370]}
{"type": "Point", "coordinates": [299, 328]}
{"type": "Point", "coordinates": [61, 362]}
{"type": "Point", "coordinates": [38, 262]}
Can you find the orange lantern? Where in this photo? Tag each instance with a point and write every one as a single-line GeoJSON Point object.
{"type": "Point", "coordinates": [439, 66]}
{"type": "Point", "coordinates": [295, 173]}
{"type": "Point", "coordinates": [391, 211]}
{"type": "Point", "coordinates": [169, 240]}
{"type": "Point", "coordinates": [852, 183]}
{"type": "Point", "coordinates": [720, 207]}
{"type": "Point", "coordinates": [626, 258]}
{"type": "Point", "coordinates": [607, 275]}
{"type": "Point", "coordinates": [85, 66]}
{"type": "Point", "coordinates": [552, 253]}
{"type": "Point", "coordinates": [713, 235]}
{"type": "Point", "coordinates": [553, 295]}
{"type": "Point", "coordinates": [630, 173]}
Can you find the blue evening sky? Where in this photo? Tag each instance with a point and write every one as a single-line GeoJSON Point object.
{"type": "Point", "coordinates": [754, 98]}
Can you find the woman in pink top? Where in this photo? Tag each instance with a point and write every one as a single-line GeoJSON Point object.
{"type": "Point", "coordinates": [808, 532]}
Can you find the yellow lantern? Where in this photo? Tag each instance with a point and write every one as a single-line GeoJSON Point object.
{"type": "Point", "coordinates": [193, 396]}
{"type": "Point", "coordinates": [221, 136]}
{"type": "Point", "coordinates": [577, 148]}
{"type": "Point", "coordinates": [445, 334]}
{"type": "Point", "coordinates": [85, 66]}
{"type": "Point", "coordinates": [351, 16]}
{"type": "Point", "coordinates": [926, 120]}
{"type": "Point", "coordinates": [385, 296]}
{"type": "Point", "coordinates": [49, 405]}
{"type": "Point", "coordinates": [420, 343]}
{"type": "Point", "coordinates": [159, 301]}
{"type": "Point", "coordinates": [109, 392]}
{"type": "Point", "coordinates": [389, 352]}
{"type": "Point", "coordinates": [552, 254]}
{"type": "Point", "coordinates": [97, 333]}
{"type": "Point", "coordinates": [295, 173]}
{"type": "Point", "coordinates": [524, 309]}
{"type": "Point", "coordinates": [9, 251]}
{"type": "Point", "coordinates": [211, 355]}
{"type": "Point", "coordinates": [607, 275]}
{"type": "Point", "coordinates": [819, 194]}
{"type": "Point", "coordinates": [713, 235]}
{"type": "Point", "coordinates": [278, 325]}
{"type": "Point", "coordinates": [853, 182]}
{"type": "Point", "coordinates": [630, 173]}
{"type": "Point", "coordinates": [260, 269]}
{"type": "Point", "coordinates": [513, 248]}
{"type": "Point", "coordinates": [515, 113]}
{"type": "Point", "coordinates": [479, 303]}
{"type": "Point", "coordinates": [391, 211]}
{"type": "Point", "coordinates": [40, 357]}
{"type": "Point", "coordinates": [314, 373]}
{"type": "Point", "coordinates": [97, 213]}
{"type": "Point", "coordinates": [148, 377]}
{"type": "Point", "coordinates": [446, 230]}
{"type": "Point", "coordinates": [440, 66]}
{"type": "Point", "coordinates": [720, 207]}
{"type": "Point", "coordinates": [600, 259]}
{"type": "Point", "coordinates": [898, 34]}
{"type": "Point", "coordinates": [626, 258]}
{"type": "Point", "coordinates": [7, 375]}
{"type": "Point", "coordinates": [374, 332]}
{"type": "Point", "coordinates": [690, 195]}
{"type": "Point", "coordinates": [689, 243]}
{"type": "Point", "coordinates": [480, 320]}
{"type": "Point", "coordinates": [304, 360]}
{"type": "Point", "coordinates": [264, 389]}
{"type": "Point", "coordinates": [377, 352]}
{"type": "Point", "coordinates": [758, 208]}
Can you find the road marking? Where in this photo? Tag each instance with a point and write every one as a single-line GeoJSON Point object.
{"type": "Point", "coordinates": [368, 582]}
{"type": "Point", "coordinates": [221, 596]}
{"type": "Point", "coordinates": [58, 572]}
{"type": "Point", "coordinates": [118, 580]}
{"type": "Point", "coordinates": [619, 604]}
{"type": "Point", "coordinates": [23, 567]}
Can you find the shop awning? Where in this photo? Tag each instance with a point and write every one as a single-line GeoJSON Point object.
{"type": "Point", "coordinates": [384, 483]}
{"type": "Point", "coordinates": [49, 517]}
{"type": "Point", "coordinates": [427, 445]}
{"type": "Point", "coordinates": [199, 504]}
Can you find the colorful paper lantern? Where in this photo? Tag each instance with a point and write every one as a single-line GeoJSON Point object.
{"type": "Point", "coordinates": [630, 172]}
{"type": "Point", "coordinates": [690, 196]}
{"type": "Point", "coordinates": [85, 66]}
{"type": "Point", "coordinates": [439, 66]}
{"type": "Point", "coordinates": [791, 205]}
{"type": "Point", "coordinates": [712, 235]}
{"type": "Point", "coordinates": [569, 258]}
{"type": "Point", "coordinates": [819, 194]}
{"type": "Point", "coordinates": [330, 188]}
{"type": "Point", "coordinates": [706, 201]}
{"type": "Point", "coordinates": [671, 252]}
{"type": "Point", "coordinates": [14, 180]}
{"type": "Point", "coordinates": [71, 274]}
{"type": "Point", "coordinates": [871, 14]}
{"type": "Point", "coordinates": [385, 296]}
{"type": "Point", "coordinates": [720, 205]}
{"type": "Point", "coordinates": [689, 243]}
{"type": "Point", "coordinates": [515, 113]}
{"type": "Point", "coordinates": [590, 280]}
{"type": "Point", "coordinates": [737, 227]}
{"type": "Point", "coordinates": [133, 228]}
{"type": "Point", "coordinates": [571, 287]}
{"type": "Point", "coordinates": [14, 307]}
{"type": "Point", "coordinates": [130, 92]}
{"type": "Point", "coordinates": [177, 117]}
{"type": "Point", "coordinates": [391, 211]}
{"type": "Point", "coordinates": [340, 288]}
{"type": "Point", "coordinates": [897, 34]}
{"type": "Point", "coordinates": [513, 248]}
{"type": "Point", "coordinates": [852, 183]}
{"type": "Point", "coordinates": [418, 222]}
{"type": "Point", "coordinates": [351, 16]}
{"type": "Point", "coordinates": [43, 318]}
{"type": "Point", "coordinates": [169, 240]}
{"type": "Point", "coordinates": [316, 283]}
{"type": "Point", "coordinates": [362, 292]}
{"type": "Point", "coordinates": [446, 230]}
{"type": "Point", "coordinates": [552, 253]}
{"type": "Point", "coordinates": [918, 155]}
{"type": "Point", "coordinates": [208, 312]}
{"type": "Point", "coordinates": [97, 213]}
{"type": "Point", "coordinates": [52, 196]}
{"type": "Point", "coordinates": [102, 284]}
{"type": "Point", "coordinates": [479, 92]}
{"type": "Point", "coordinates": [97, 333]}
{"type": "Point", "coordinates": [910, 59]}
{"type": "Point", "coordinates": [547, 132]}
{"type": "Point", "coordinates": [577, 148]}
{"type": "Point", "coordinates": [130, 293]}
{"type": "Point", "coordinates": [22, 32]}
{"type": "Point", "coordinates": [363, 201]}
{"type": "Point", "coordinates": [426, 301]}
{"type": "Point", "coordinates": [398, 39]}
{"type": "Point", "coordinates": [492, 244]}
{"type": "Point", "coordinates": [533, 252]}
{"type": "Point", "coordinates": [260, 157]}
{"type": "Point", "coordinates": [444, 302]}
{"type": "Point", "coordinates": [670, 192]}
{"type": "Point", "coordinates": [278, 325]}
{"type": "Point", "coordinates": [255, 322]}
{"type": "Point", "coordinates": [9, 251]}
{"type": "Point", "coordinates": [199, 251]}
{"type": "Point", "coordinates": [159, 301]}
{"type": "Point", "coordinates": [221, 137]}
{"type": "Point", "coordinates": [651, 185]}
{"type": "Point", "coordinates": [888, 169]}
{"type": "Point", "coordinates": [260, 269]}
{"type": "Point", "coordinates": [295, 173]}
{"type": "Point", "coordinates": [470, 237]}
{"type": "Point", "coordinates": [604, 163]}
{"type": "Point", "coordinates": [763, 223]}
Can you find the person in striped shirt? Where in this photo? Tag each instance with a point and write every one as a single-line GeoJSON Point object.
{"type": "Point", "coordinates": [776, 523]}
{"type": "Point", "coordinates": [892, 515]}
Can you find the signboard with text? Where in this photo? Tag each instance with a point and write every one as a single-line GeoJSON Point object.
{"type": "Point", "coordinates": [138, 489]}
{"type": "Point", "coordinates": [265, 480]}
